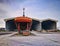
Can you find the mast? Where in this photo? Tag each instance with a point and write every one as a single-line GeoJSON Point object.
{"type": "Point", "coordinates": [23, 12]}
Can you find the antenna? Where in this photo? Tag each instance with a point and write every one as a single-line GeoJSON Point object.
{"type": "Point", "coordinates": [23, 12]}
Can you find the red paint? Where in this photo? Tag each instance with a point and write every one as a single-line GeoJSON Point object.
{"type": "Point", "coordinates": [18, 27]}
{"type": "Point", "coordinates": [23, 19]}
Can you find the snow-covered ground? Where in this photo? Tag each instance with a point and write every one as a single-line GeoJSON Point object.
{"type": "Point", "coordinates": [50, 39]}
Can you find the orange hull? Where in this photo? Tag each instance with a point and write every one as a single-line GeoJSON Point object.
{"type": "Point", "coordinates": [23, 19]}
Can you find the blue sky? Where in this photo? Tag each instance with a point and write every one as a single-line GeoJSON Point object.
{"type": "Point", "coordinates": [40, 9]}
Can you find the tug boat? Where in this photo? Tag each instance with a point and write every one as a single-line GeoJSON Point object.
{"type": "Point", "coordinates": [23, 24]}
